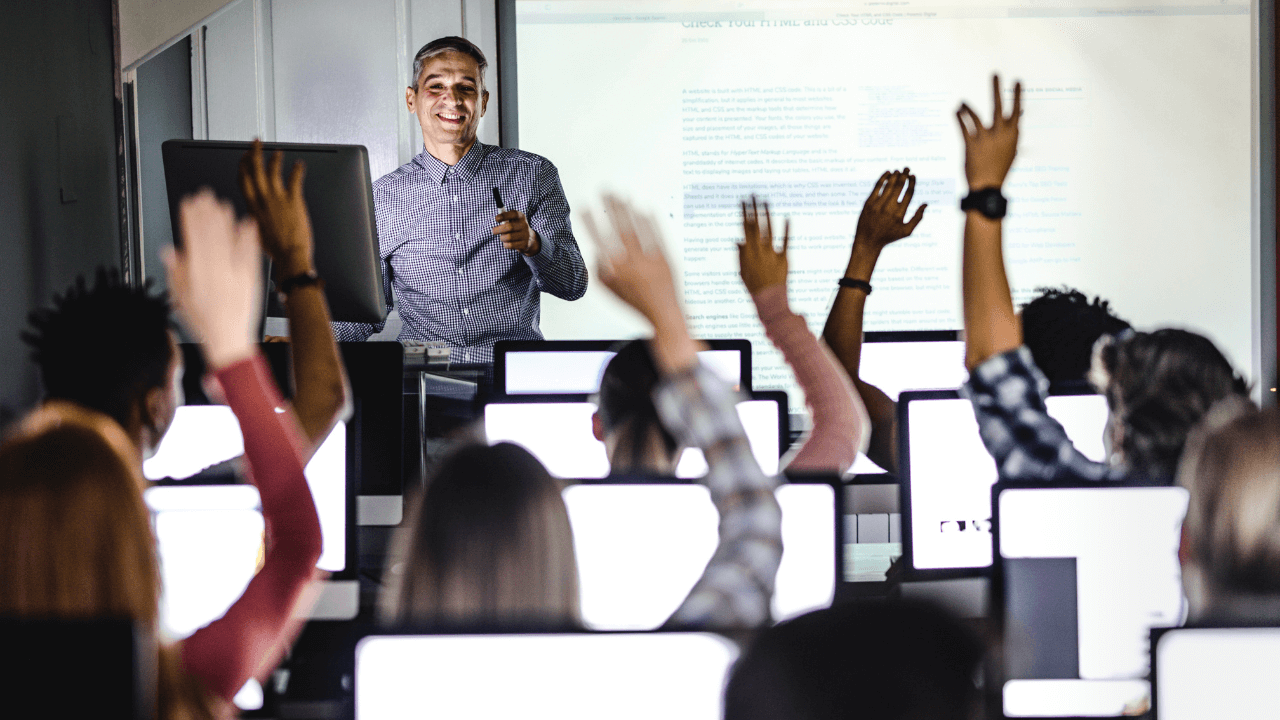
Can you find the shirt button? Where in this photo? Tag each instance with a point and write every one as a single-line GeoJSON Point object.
{"type": "Point", "coordinates": [455, 198]}
{"type": "Point", "coordinates": [457, 236]}
{"type": "Point", "coordinates": [465, 311]}
{"type": "Point", "coordinates": [459, 271]}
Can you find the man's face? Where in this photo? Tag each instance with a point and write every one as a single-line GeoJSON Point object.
{"type": "Point", "coordinates": [449, 101]}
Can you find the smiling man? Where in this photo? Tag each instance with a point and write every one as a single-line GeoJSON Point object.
{"type": "Point", "coordinates": [465, 273]}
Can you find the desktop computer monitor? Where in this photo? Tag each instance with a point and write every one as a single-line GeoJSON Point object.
{"type": "Point", "coordinates": [558, 432]}
{"type": "Point", "coordinates": [210, 537]}
{"type": "Point", "coordinates": [896, 362]}
{"type": "Point", "coordinates": [574, 367]}
{"type": "Point", "coordinates": [571, 676]}
{"type": "Point", "coordinates": [1201, 673]}
{"type": "Point", "coordinates": [339, 195]}
{"type": "Point", "coordinates": [641, 546]}
{"type": "Point", "coordinates": [1082, 575]}
{"type": "Point", "coordinates": [946, 473]}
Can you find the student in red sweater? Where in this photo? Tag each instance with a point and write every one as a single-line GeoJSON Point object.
{"type": "Point", "coordinates": [75, 536]}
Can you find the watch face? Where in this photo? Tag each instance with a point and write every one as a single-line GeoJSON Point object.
{"type": "Point", "coordinates": [993, 205]}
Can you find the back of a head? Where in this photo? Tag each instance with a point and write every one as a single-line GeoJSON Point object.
{"type": "Point", "coordinates": [75, 535]}
{"type": "Point", "coordinates": [924, 667]}
{"type": "Point", "coordinates": [1159, 385]}
{"type": "Point", "coordinates": [1060, 327]}
{"type": "Point", "coordinates": [627, 410]}
{"type": "Point", "coordinates": [1232, 471]}
{"type": "Point", "coordinates": [487, 543]}
{"type": "Point", "coordinates": [102, 347]}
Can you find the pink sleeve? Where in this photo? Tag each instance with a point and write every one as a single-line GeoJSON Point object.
{"type": "Point", "coordinates": [839, 419]}
{"type": "Point", "coordinates": [253, 633]}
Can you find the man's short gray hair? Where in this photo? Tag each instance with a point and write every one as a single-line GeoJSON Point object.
{"type": "Point", "coordinates": [452, 43]}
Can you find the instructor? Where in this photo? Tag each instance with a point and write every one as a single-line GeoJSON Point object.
{"type": "Point", "coordinates": [464, 273]}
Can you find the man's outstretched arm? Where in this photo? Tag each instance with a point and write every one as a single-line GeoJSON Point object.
{"type": "Point", "coordinates": [881, 223]}
{"type": "Point", "coordinates": [991, 326]}
{"type": "Point", "coordinates": [322, 395]}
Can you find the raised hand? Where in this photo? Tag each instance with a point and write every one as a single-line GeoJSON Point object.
{"type": "Point", "coordinates": [215, 278]}
{"type": "Point", "coordinates": [280, 210]}
{"type": "Point", "coordinates": [633, 267]}
{"type": "Point", "coordinates": [989, 151]}
{"type": "Point", "coordinates": [882, 219]}
{"type": "Point", "coordinates": [761, 265]}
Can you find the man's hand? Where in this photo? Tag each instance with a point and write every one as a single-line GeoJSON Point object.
{"type": "Point", "coordinates": [760, 264]}
{"type": "Point", "coordinates": [280, 210]}
{"type": "Point", "coordinates": [882, 219]}
{"type": "Point", "coordinates": [514, 232]}
{"type": "Point", "coordinates": [989, 152]}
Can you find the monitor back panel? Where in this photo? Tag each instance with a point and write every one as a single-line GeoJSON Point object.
{"type": "Point", "coordinates": [642, 547]}
{"type": "Point", "coordinates": [948, 473]}
{"type": "Point", "coordinates": [576, 676]}
{"type": "Point", "coordinates": [1205, 673]}
{"type": "Point", "coordinates": [1083, 575]}
{"type": "Point", "coordinates": [339, 195]}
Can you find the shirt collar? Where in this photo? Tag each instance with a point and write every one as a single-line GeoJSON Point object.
{"type": "Point", "coordinates": [463, 171]}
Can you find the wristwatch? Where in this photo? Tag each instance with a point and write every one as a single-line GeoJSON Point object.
{"type": "Point", "coordinates": [987, 201]}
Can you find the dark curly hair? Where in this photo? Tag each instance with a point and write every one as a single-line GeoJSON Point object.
{"type": "Point", "coordinates": [1060, 326]}
{"type": "Point", "coordinates": [102, 347]}
{"type": "Point", "coordinates": [1159, 385]}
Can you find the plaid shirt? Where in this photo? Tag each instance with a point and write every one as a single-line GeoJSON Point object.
{"type": "Point", "coordinates": [453, 279]}
{"type": "Point", "coordinates": [736, 589]}
{"type": "Point", "coordinates": [1008, 394]}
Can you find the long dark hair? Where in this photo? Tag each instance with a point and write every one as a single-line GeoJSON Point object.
{"type": "Point", "coordinates": [487, 542]}
{"type": "Point", "coordinates": [626, 404]}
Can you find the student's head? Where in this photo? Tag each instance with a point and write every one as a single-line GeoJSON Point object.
{"type": "Point", "coordinates": [877, 661]}
{"type": "Point", "coordinates": [487, 542]}
{"type": "Point", "coordinates": [1231, 536]}
{"type": "Point", "coordinates": [110, 347]}
{"type": "Point", "coordinates": [447, 93]}
{"type": "Point", "coordinates": [1158, 386]}
{"type": "Point", "coordinates": [75, 536]}
{"type": "Point", "coordinates": [1060, 327]}
{"type": "Point", "coordinates": [627, 421]}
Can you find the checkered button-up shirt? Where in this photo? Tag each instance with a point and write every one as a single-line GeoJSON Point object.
{"type": "Point", "coordinates": [736, 589]}
{"type": "Point", "coordinates": [454, 280]}
{"type": "Point", "coordinates": [1008, 394]}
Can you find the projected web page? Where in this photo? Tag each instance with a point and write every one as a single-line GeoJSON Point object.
{"type": "Point", "coordinates": [559, 435]}
{"type": "Point", "coordinates": [641, 548]}
{"type": "Point", "coordinates": [573, 677]}
{"type": "Point", "coordinates": [952, 474]}
{"type": "Point", "coordinates": [1088, 573]}
{"type": "Point", "coordinates": [210, 536]}
{"type": "Point", "coordinates": [807, 103]}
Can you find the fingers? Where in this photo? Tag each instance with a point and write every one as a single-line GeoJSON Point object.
{"type": "Point", "coordinates": [877, 188]}
{"type": "Point", "coordinates": [999, 101]}
{"type": "Point", "coordinates": [786, 235]}
{"type": "Point", "coordinates": [623, 224]}
{"type": "Point", "coordinates": [915, 219]}
{"type": "Point", "coordinates": [296, 175]}
{"type": "Point", "coordinates": [895, 186]}
{"type": "Point", "coordinates": [508, 215]}
{"type": "Point", "coordinates": [275, 176]}
{"type": "Point", "coordinates": [748, 226]}
{"type": "Point", "coordinates": [1017, 102]}
{"type": "Point", "coordinates": [766, 237]}
{"type": "Point", "coordinates": [911, 190]}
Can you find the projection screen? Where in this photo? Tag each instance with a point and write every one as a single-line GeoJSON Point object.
{"type": "Point", "coordinates": [1137, 179]}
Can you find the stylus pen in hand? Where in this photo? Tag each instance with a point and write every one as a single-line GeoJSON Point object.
{"type": "Point", "coordinates": [497, 200]}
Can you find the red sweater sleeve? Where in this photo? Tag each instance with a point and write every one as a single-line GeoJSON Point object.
{"type": "Point", "coordinates": [839, 419]}
{"type": "Point", "coordinates": [253, 633]}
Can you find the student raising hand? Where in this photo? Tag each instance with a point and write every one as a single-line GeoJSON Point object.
{"type": "Point", "coordinates": [633, 267]}
{"type": "Point", "coordinates": [215, 279]}
{"type": "Point", "coordinates": [760, 264]}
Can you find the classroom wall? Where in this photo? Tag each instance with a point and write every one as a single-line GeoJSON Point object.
{"type": "Point", "coordinates": [58, 206]}
{"type": "Point", "coordinates": [147, 24]}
